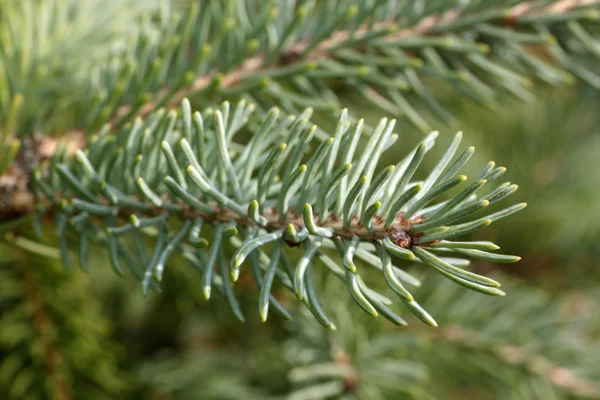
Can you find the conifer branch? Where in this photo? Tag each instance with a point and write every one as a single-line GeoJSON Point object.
{"type": "Point", "coordinates": [383, 55]}
{"type": "Point", "coordinates": [270, 192]}
{"type": "Point", "coordinates": [258, 65]}
{"type": "Point", "coordinates": [304, 52]}
{"type": "Point", "coordinates": [304, 56]}
{"type": "Point", "coordinates": [249, 190]}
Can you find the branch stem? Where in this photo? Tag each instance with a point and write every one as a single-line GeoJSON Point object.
{"type": "Point", "coordinates": [275, 222]}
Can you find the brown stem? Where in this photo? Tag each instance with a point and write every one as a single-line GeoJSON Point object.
{"type": "Point", "coordinates": [398, 232]}
{"type": "Point", "coordinates": [16, 199]}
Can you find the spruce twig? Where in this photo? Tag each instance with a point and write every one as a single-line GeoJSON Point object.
{"type": "Point", "coordinates": [259, 64]}
{"type": "Point", "coordinates": [107, 198]}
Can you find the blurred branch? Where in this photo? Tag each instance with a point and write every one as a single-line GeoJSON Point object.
{"type": "Point", "coordinates": [540, 349]}
{"type": "Point", "coordinates": [54, 343]}
{"type": "Point", "coordinates": [16, 198]}
{"type": "Point", "coordinates": [560, 376]}
{"type": "Point", "coordinates": [295, 55]}
{"type": "Point", "coordinates": [42, 325]}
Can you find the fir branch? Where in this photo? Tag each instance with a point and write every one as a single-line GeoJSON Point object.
{"type": "Point", "coordinates": [148, 175]}
{"type": "Point", "coordinates": [245, 191]}
{"type": "Point", "coordinates": [291, 58]}
{"type": "Point", "coordinates": [308, 54]}
{"type": "Point", "coordinates": [299, 58]}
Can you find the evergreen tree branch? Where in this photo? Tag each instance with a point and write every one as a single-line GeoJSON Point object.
{"type": "Point", "coordinates": [299, 58]}
{"type": "Point", "coordinates": [292, 55]}
{"type": "Point", "coordinates": [261, 65]}
{"type": "Point", "coordinates": [270, 192]}
{"type": "Point", "coordinates": [311, 57]}
{"type": "Point", "coordinates": [248, 192]}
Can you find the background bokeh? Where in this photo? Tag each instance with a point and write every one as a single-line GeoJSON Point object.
{"type": "Point", "coordinates": [541, 341]}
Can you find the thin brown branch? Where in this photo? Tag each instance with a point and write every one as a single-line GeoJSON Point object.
{"type": "Point", "coordinates": [399, 232]}
{"type": "Point", "coordinates": [16, 199]}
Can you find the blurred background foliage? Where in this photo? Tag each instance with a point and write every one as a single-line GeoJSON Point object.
{"type": "Point", "coordinates": [65, 334]}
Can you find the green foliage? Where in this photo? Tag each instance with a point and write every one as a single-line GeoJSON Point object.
{"type": "Point", "coordinates": [54, 343]}
{"type": "Point", "coordinates": [123, 186]}
{"type": "Point", "coordinates": [46, 51]}
{"type": "Point", "coordinates": [560, 143]}
{"type": "Point", "coordinates": [482, 349]}
{"type": "Point", "coordinates": [550, 356]}
{"type": "Point", "coordinates": [186, 378]}
{"type": "Point", "coordinates": [259, 187]}
{"type": "Point", "coordinates": [285, 52]}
